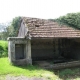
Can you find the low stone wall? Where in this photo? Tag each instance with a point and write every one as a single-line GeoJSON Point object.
{"type": "Point", "coordinates": [65, 65]}
{"type": "Point", "coordinates": [48, 65]}
{"type": "Point", "coordinates": [19, 62]}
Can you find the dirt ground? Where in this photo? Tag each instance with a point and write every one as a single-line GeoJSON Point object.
{"type": "Point", "coordinates": [8, 77]}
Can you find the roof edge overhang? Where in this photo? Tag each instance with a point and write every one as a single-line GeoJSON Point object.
{"type": "Point", "coordinates": [33, 38]}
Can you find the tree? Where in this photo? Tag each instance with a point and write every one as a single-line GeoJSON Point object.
{"type": "Point", "coordinates": [13, 28]}
{"type": "Point", "coordinates": [71, 19]}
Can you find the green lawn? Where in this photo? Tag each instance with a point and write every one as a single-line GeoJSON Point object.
{"type": "Point", "coordinates": [29, 71]}
{"type": "Point", "coordinates": [34, 71]}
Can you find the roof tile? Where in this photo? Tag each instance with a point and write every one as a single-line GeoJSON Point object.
{"type": "Point", "coordinates": [49, 29]}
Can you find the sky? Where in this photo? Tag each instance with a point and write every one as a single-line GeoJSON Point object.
{"type": "Point", "coordinates": [46, 9]}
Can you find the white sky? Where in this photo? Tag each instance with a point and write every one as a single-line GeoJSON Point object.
{"type": "Point", "coordinates": [37, 8]}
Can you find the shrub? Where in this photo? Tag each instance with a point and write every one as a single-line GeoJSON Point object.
{"type": "Point", "coordinates": [66, 72]}
{"type": "Point", "coordinates": [3, 48]}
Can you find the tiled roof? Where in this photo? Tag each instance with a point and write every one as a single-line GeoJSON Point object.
{"type": "Point", "coordinates": [41, 28]}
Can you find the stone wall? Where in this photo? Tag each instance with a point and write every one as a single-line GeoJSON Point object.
{"type": "Point", "coordinates": [44, 49]}
{"type": "Point", "coordinates": [11, 50]}
{"type": "Point", "coordinates": [64, 65]}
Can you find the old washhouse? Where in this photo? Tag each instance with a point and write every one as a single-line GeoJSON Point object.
{"type": "Point", "coordinates": [40, 39]}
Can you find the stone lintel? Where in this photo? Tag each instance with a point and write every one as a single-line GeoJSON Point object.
{"type": "Point", "coordinates": [15, 38]}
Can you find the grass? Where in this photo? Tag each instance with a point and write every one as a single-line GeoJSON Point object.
{"type": "Point", "coordinates": [29, 71]}
{"type": "Point", "coordinates": [3, 48]}
{"type": "Point", "coordinates": [34, 71]}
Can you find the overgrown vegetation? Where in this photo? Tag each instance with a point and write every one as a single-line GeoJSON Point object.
{"type": "Point", "coordinates": [3, 48]}
{"type": "Point", "coordinates": [71, 19]}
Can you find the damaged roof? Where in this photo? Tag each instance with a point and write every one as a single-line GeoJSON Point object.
{"type": "Point", "coordinates": [42, 28]}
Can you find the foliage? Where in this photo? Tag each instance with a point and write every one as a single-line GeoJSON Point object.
{"type": "Point", "coordinates": [70, 74]}
{"type": "Point", "coordinates": [71, 19]}
{"type": "Point", "coordinates": [11, 30]}
{"type": "Point", "coordinates": [66, 72]}
{"type": "Point", "coordinates": [15, 26]}
{"type": "Point", "coordinates": [3, 48]}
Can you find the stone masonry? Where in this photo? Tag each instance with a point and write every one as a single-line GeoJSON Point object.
{"type": "Point", "coordinates": [12, 41]}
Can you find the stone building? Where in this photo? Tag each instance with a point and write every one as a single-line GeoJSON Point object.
{"type": "Point", "coordinates": [40, 39]}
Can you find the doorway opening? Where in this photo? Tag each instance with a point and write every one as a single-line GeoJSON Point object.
{"type": "Point", "coordinates": [19, 51]}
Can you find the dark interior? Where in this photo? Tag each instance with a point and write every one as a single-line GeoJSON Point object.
{"type": "Point", "coordinates": [19, 51]}
{"type": "Point", "coordinates": [70, 48]}
{"type": "Point", "coordinates": [56, 50]}
{"type": "Point", "coordinates": [41, 50]}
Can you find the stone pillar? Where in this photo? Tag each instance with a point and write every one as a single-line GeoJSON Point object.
{"type": "Point", "coordinates": [11, 51]}
{"type": "Point", "coordinates": [28, 52]}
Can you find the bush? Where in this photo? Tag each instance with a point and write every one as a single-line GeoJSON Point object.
{"type": "Point", "coordinates": [71, 19]}
{"type": "Point", "coordinates": [3, 48]}
{"type": "Point", "coordinates": [66, 72]}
